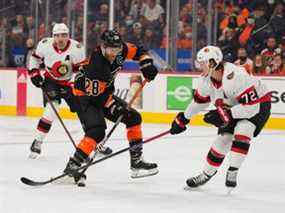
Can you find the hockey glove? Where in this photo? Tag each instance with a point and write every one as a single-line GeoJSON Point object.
{"type": "Point", "coordinates": [36, 78]}
{"type": "Point", "coordinates": [116, 106]}
{"type": "Point", "coordinates": [149, 71]}
{"type": "Point", "coordinates": [219, 117]}
{"type": "Point", "coordinates": [179, 124]}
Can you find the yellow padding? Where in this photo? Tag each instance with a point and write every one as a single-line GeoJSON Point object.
{"type": "Point", "coordinates": [8, 110]}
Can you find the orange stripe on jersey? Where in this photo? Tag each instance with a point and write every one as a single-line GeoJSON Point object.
{"type": "Point", "coordinates": [77, 92]}
{"type": "Point", "coordinates": [134, 133]}
{"type": "Point", "coordinates": [84, 62]}
{"type": "Point", "coordinates": [87, 145]}
{"type": "Point", "coordinates": [109, 101]}
{"type": "Point", "coordinates": [75, 67]}
{"type": "Point", "coordinates": [132, 50]}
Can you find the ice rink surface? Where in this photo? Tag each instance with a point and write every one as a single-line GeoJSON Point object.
{"type": "Point", "coordinates": [261, 186]}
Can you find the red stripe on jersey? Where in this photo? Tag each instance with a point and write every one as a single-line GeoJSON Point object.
{"type": "Point", "coordinates": [201, 99]}
{"type": "Point", "coordinates": [242, 138]}
{"type": "Point", "coordinates": [251, 95]}
{"type": "Point", "coordinates": [241, 151]}
{"type": "Point", "coordinates": [61, 82]}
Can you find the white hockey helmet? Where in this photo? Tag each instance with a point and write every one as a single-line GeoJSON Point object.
{"type": "Point", "coordinates": [59, 28]}
{"type": "Point", "coordinates": [208, 53]}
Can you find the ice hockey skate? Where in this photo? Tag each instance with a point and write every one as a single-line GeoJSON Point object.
{"type": "Point", "coordinates": [74, 176]}
{"type": "Point", "coordinates": [35, 149]}
{"type": "Point", "coordinates": [231, 180]}
{"type": "Point", "coordinates": [141, 168]}
{"type": "Point", "coordinates": [104, 150]}
{"type": "Point", "coordinates": [198, 180]}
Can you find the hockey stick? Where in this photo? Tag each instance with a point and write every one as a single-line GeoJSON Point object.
{"type": "Point", "coordinates": [116, 124]}
{"type": "Point", "coordinates": [59, 118]}
{"type": "Point", "coordinates": [30, 182]}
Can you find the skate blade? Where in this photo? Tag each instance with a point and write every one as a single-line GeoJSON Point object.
{"type": "Point", "coordinates": [188, 188]}
{"type": "Point", "coordinates": [34, 155]}
{"type": "Point", "coordinates": [139, 173]}
{"type": "Point", "coordinates": [81, 182]}
{"type": "Point", "coordinates": [230, 190]}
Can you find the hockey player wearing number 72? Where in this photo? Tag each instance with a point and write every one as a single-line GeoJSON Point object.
{"type": "Point", "coordinates": [243, 106]}
{"type": "Point", "coordinates": [94, 88]}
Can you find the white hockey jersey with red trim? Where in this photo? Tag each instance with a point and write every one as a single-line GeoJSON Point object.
{"type": "Point", "coordinates": [59, 64]}
{"type": "Point", "coordinates": [239, 90]}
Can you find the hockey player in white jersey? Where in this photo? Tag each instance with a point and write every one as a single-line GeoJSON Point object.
{"type": "Point", "coordinates": [243, 107]}
{"type": "Point", "coordinates": [62, 58]}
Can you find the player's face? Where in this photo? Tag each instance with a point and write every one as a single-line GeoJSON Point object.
{"type": "Point", "coordinates": [61, 40]}
{"type": "Point", "coordinates": [204, 68]}
{"type": "Point", "coordinates": [209, 70]}
{"type": "Point", "coordinates": [112, 52]}
{"type": "Point", "coordinates": [217, 75]}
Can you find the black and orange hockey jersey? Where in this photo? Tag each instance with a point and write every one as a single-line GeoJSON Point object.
{"type": "Point", "coordinates": [97, 76]}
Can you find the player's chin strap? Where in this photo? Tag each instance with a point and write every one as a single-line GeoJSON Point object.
{"type": "Point", "coordinates": [59, 118]}
{"type": "Point", "coordinates": [102, 143]}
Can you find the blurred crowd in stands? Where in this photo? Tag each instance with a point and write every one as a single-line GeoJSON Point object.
{"type": "Point", "coordinates": [251, 33]}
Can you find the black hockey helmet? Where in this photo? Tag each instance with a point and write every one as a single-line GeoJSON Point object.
{"type": "Point", "coordinates": [111, 38]}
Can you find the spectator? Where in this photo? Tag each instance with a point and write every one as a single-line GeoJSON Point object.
{"type": "Point", "coordinates": [277, 66]}
{"type": "Point", "coordinates": [135, 36]}
{"type": "Point", "coordinates": [149, 39]}
{"type": "Point", "coordinates": [123, 32]}
{"type": "Point", "coordinates": [31, 31]}
{"type": "Point", "coordinates": [244, 61]}
{"type": "Point", "coordinates": [184, 15]}
{"type": "Point", "coordinates": [270, 50]}
{"type": "Point", "coordinates": [185, 38]}
{"type": "Point", "coordinates": [229, 44]}
{"type": "Point", "coordinates": [258, 65]}
{"type": "Point", "coordinates": [278, 21]}
{"type": "Point", "coordinates": [261, 30]}
{"type": "Point", "coordinates": [138, 8]}
{"type": "Point", "coordinates": [17, 52]}
{"type": "Point", "coordinates": [19, 26]}
{"type": "Point", "coordinates": [128, 22]}
{"type": "Point", "coordinates": [153, 11]}
{"type": "Point", "coordinates": [103, 14]}
{"type": "Point", "coordinates": [29, 51]}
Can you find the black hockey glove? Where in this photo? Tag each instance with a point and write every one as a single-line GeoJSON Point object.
{"type": "Point", "coordinates": [179, 124]}
{"type": "Point", "coordinates": [149, 71]}
{"type": "Point", "coordinates": [219, 117]}
{"type": "Point", "coordinates": [117, 106]}
{"type": "Point", "coordinates": [36, 78]}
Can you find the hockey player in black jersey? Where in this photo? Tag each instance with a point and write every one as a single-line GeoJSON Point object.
{"type": "Point", "coordinates": [94, 87]}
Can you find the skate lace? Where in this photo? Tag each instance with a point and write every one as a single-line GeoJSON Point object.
{"type": "Point", "coordinates": [200, 178]}
{"type": "Point", "coordinates": [37, 144]}
{"type": "Point", "coordinates": [232, 176]}
{"type": "Point", "coordinates": [101, 147]}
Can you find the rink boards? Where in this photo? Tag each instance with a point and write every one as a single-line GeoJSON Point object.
{"type": "Point", "coordinates": [159, 102]}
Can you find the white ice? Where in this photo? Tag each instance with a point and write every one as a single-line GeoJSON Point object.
{"type": "Point", "coordinates": [261, 183]}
